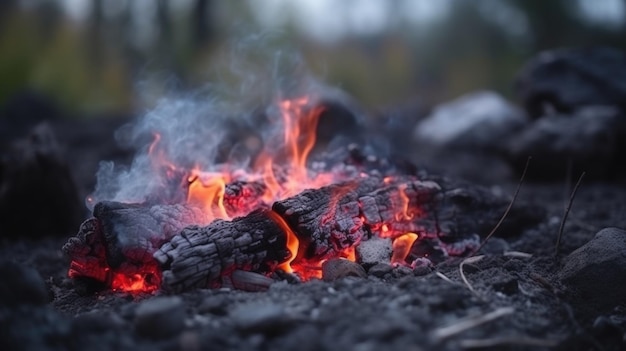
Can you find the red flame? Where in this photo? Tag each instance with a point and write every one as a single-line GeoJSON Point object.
{"type": "Point", "coordinates": [133, 283]}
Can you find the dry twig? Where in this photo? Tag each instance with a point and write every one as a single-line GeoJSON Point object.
{"type": "Point", "coordinates": [469, 323]}
{"type": "Point", "coordinates": [519, 186]}
{"type": "Point", "coordinates": [469, 260]}
{"type": "Point", "coordinates": [502, 341]}
{"type": "Point", "coordinates": [445, 278]}
{"type": "Point", "coordinates": [567, 209]}
{"type": "Point", "coordinates": [517, 254]}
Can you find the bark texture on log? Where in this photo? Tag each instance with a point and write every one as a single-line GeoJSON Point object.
{"type": "Point", "coordinates": [124, 235]}
{"type": "Point", "coordinates": [333, 218]}
{"type": "Point", "coordinates": [203, 256]}
{"type": "Point", "coordinates": [447, 216]}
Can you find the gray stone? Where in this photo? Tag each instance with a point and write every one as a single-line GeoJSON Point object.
{"type": "Point", "coordinates": [402, 271]}
{"type": "Point", "coordinates": [380, 270]}
{"type": "Point", "coordinates": [564, 80]}
{"type": "Point", "coordinates": [482, 120]}
{"type": "Point", "coordinates": [595, 273]}
{"type": "Point", "coordinates": [260, 318]}
{"type": "Point", "coordinates": [337, 268]}
{"type": "Point", "coordinates": [591, 139]}
{"type": "Point", "coordinates": [373, 251]}
{"type": "Point", "coordinates": [21, 285]}
{"type": "Point", "coordinates": [160, 317]}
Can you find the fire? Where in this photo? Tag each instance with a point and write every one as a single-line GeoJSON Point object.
{"type": "Point", "coordinates": [206, 190]}
{"type": "Point", "coordinates": [405, 213]}
{"type": "Point", "coordinates": [402, 247]}
{"type": "Point", "coordinates": [283, 174]}
{"type": "Point", "coordinates": [292, 241]}
{"type": "Point", "coordinates": [280, 172]}
{"type": "Point", "coordinates": [133, 283]}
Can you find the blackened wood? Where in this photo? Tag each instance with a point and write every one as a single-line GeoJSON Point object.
{"type": "Point", "coordinates": [331, 219]}
{"type": "Point", "coordinates": [38, 195]}
{"type": "Point", "coordinates": [241, 197]}
{"type": "Point", "coordinates": [133, 231]}
{"type": "Point", "coordinates": [327, 221]}
{"type": "Point", "coordinates": [203, 256]}
{"type": "Point", "coordinates": [124, 235]}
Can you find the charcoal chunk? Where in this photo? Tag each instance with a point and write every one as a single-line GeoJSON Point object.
{"type": "Point", "coordinates": [567, 79]}
{"type": "Point", "coordinates": [595, 273]}
{"type": "Point", "coordinates": [161, 317]}
{"type": "Point", "coordinates": [21, 285]}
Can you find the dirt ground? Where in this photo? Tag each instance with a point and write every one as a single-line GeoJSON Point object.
{"type": "Point", "coordinates": [512, 300]}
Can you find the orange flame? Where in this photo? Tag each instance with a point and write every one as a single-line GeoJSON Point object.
{"type": "Point", "coordinates": [292, 241]}
{"type": "Point", "coordinates": [206, 191]}
{"type": "Point", "coordinates": [404, 214]}
{"type": "Point", "coordinates": [402, 247]}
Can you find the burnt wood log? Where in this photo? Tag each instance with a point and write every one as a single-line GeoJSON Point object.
{"type": "Point", "coordinates": [333, 218]}
{"type": "Point", "coordinates": [124, 234]}
{"type": "Point", "coordinates": [203, 256]}
{"type": "Point", "coordinates": [327, 221]}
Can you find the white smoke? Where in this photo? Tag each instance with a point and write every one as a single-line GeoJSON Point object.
{"type": "Point", "coordinates": [196, 130]}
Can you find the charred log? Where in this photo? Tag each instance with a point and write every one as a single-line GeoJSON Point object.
{"type": "Point", "coordinates": [333, 218]}
{"type": "Point", "coordinates": [155, 240]}
{"type": "Point", "coordinates": [203, 256]}
{"type": "Point", "coordinates": [124, 237]}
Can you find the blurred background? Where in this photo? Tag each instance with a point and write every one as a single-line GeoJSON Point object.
{"type": "Point", "coordinates": [89, 55]}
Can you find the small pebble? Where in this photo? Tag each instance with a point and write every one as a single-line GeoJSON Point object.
{"type": "Point", "coordinates": [260, 318]}
{"type": "Point", "coordinates": [337, 268]}
{"type": "Point", "coordinates": [160, 317]}
{"type": "Point", "coordinates": [380, 270]}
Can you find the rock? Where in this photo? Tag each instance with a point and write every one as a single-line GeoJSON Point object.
{"type": "Point", "coordinates": [160, 317]}
{"type": "Point", "coordinates": [261, 318]}
{"type": "Point", "coordinates": [481, 120]}
{"type": "Point", "coordinates": [402, 271]}
{"type": "Point", "coordinates": [337, 268]}
{"type": "Point", "coordinates": [595, 273]}
{"type": "Point", "coordinates": [21, 285]}
{"type": "Point", "coordinates": [567, 79]}
{"type": "Point", "coordinates": [250, 281]}
{"type": "Point", "coordinates": [373, 251]}
{"type": "Point", "coordinates": [38, 196]}
{"type": "Point", "coordinates": [217, 305]}
{"type": "Point", "coordinates": [591, 139]}
{"type": "Point", "coordinates": [380, 270]}
{"type": "Point", "coordinates": [495, 246]}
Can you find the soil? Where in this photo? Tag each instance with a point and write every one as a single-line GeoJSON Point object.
{"type": "Point", "coordinates": [516, 295]}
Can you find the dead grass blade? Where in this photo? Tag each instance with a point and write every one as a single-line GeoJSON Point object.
{"type": "Point", "coordinates": [517, 254]}
{"type": "Point", "coordinates": [443, 333]}
{"type": "Point", "coordinates": [444, 277]}
{"type": "Point", "coordinates": [567, 209]}
{"type": "Point", "coordinates": [469, 260]}
{"type": "Point", "coordinates": [508, 209]}
{"type": "Point", "coordinates": [507, 341]}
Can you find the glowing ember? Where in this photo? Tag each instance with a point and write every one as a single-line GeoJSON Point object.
{"type": "Point", "coordinates": [134, 283]}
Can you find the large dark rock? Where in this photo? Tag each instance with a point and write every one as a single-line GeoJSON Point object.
{"type": "Point", "coordinates": [160, 318]}
{"type": "Point", "coordinates": [591, 140]}
{"type": "Point", "coordinates": [38, 196]}
{"type": "Point", "coordinates": [21, 286]}
{"type": "Point", "coordinates": [595, 274]}
{"type": "Point", "coordinates": [567, 79]}
{"type": "Point", "coordinates": [481, 120]}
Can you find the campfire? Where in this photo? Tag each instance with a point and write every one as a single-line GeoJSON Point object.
{"type": "Point", "coordinates": [281, 215]}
